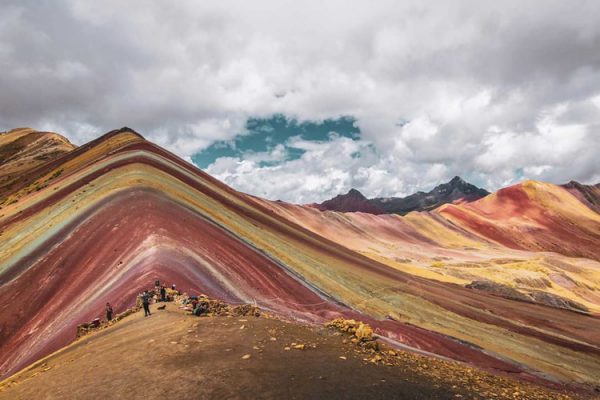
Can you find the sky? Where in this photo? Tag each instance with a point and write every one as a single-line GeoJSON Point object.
{"type": "Point", "coordinates": [301, 101]}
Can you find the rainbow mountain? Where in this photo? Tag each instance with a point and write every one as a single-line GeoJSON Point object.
{"type": "Point", "coordinates": [509, 283]}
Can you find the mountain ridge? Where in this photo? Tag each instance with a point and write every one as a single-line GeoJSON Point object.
{"type": "Point", "coordinates": [353, 201]}
{"type": "Point", "coordinates": [455, 190]}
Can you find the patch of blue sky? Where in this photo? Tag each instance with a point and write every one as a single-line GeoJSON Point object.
{"type": "Point", "coordinates": [264, 135]}
{"type": "Point", "coordinates": [520, 174]}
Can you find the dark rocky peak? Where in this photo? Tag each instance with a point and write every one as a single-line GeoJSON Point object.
{"type": "Point", "coordinates": [457, 189]}
{"type": "Point", "coordinates": [355, 194]}
{"type": "Point", "coordinates": [353, 201]}
{"type": "Point", "coordinates": [457, 180]}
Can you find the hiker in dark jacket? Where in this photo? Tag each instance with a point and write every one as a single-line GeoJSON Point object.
{"type": "Point", "coordinates": [146, 303]}
{"type": "Point", "coordinates": [109, 312]}
{"type": "Point", "coordinates": [163, 294]}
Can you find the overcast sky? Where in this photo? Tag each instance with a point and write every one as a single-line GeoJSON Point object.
{"type": "Point", "coordinates": [495, 93]}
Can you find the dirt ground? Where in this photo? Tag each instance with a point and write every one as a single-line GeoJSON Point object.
{"type": "Point", "coordinates": [176, 356]}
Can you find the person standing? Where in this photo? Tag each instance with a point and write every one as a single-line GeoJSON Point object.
{"type": "Point", "coordinates": [146, 303]}
{"type": "Point", "coordinates": [109, 312]}
{"type": "Point", "coordinates": [163, 294]}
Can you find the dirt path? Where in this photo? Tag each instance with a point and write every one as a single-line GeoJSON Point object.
{"type": "Point", "coordinates": [171, 355]}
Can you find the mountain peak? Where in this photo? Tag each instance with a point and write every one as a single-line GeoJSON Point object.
{"type": "Point", "coordinates": [456, 190]}
{"type": "Point", "coordinates": [457, 180]}
{"type": "Point", "coordinates": [459, 189]}
{"type": "Point", "coordinates": [123, 130]}
{"type": "Point", "coordinates": [355, 193]}
{"type": "Point", "coordinates": [353, 201]}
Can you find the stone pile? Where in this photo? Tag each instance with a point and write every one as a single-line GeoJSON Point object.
{"type": "Point", "coordinates": [213, 307]}
{"type": "Point", "coordinates": [88, 327]}
{"type": "Point", "coordinates": [362, 334]}
{"type": "Point", "coordinates": [246, 310]}
{"type": "Point", "coordinates": [360, 331]}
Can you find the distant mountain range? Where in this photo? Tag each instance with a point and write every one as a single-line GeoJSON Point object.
{"type": "Point", "coordinates": [455, 191]}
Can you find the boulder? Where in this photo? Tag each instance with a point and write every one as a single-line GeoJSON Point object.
{"type": "Point", "coordinates": [361, 331]}
{"type": "Point", "coordinates": [364, 332]}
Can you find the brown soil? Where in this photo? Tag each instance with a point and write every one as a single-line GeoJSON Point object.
{"type": "Point", "coordinates": [176, 356]}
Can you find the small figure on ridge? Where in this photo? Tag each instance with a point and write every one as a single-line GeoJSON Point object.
{"type": "Point", "coordinates": [146, 303]}
{"type": "Point", "coordinates": [109, 312]}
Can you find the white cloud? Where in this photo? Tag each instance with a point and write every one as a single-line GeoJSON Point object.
{"type": "Point", "coordinates": [487, 89]}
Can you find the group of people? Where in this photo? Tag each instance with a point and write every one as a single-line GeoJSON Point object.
{"type": "Point", "coordinates": [145, 298]}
